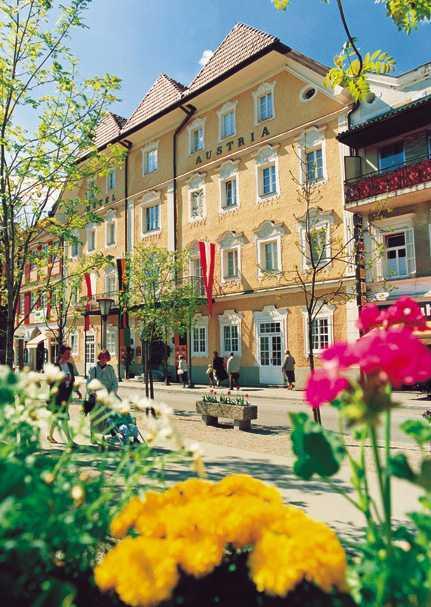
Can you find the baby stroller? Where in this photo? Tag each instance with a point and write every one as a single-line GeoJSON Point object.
{"type": "Point", "coordinates": [123, 430]}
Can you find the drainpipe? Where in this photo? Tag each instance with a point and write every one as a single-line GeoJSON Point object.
{"type": "Point", "coordinates": [189, 110]}
{"type": "Point", "coordinates": [128, 145]}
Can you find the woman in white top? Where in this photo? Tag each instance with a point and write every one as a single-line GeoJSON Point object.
{"type": "Point", "coordinates": [182, 370]}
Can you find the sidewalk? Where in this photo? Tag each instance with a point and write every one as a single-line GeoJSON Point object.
{"type": "Point", "coordinates": [411, 400]}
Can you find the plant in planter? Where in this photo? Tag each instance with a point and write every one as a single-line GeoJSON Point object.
{"type": "Point", "coordinates": [225, 398]}
{"type": "Point", "coordinates": [391, 566]}
{"type": "Point", "coordinates": [214, 405]}
{"type": "Point", "coordinates": [231, 543]}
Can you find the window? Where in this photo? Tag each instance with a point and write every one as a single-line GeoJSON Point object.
{"type": "Point", "coordinates": [230, 198]}
{"type": "Point", "coordinates": [270, 256]}
{"type": "Point", "coordinates": [110, 230]}
{"type": "Point", "coordinates": [151, 218]}
{"type": "Point", "coordinates": [314, 165]}
{"type": "Point", "coordinates": [197, 204]}
{"type": "Point", "coordinates": [110, 179]}
{"type": "Point", "coordinates": [228, 124]}
{"type": "Point", "coordinates": [199, 341]}
{"type": "Point", "coordinates": [307, 93]}
{"type": "Point", "coordinates": [318, 251]}
{"type": "Point", "coordinates": [197, 139]}
{"type": "Point", "coordinates": [196, 275]}
{"type": "Point", "coordinates": [91, 192]}
{"type": "Point", "coordinates": [151, 159]}
{"type": "Point", "coordinates": [231, 264]}
{"type": "Point", "coordinates": [111, 340]}
{"type": "Point", "coordinates": [391, 156]}
{"type": "Point", "coordinates": [74, 343]}
{"type": "Point", "coordinates": [74, 248]}
{"type": "Point", "coordinates": [396, 255]}
{"type": "Point", "coordinates": [90, 349]}
{"type": "Point", "coordinates": [74, 295]}
{"type": "Point", "coordinates": [321, 333]}
{"type": "Point", "coordinates": [110, 282]}
{"type": "Point", "coordinates": [265, 107]}
{"type": "Point", "coordinates": [91, 238]}
{"type": "Point", "coordinates": [269, 184]}
{"type": "Point", "coordinates": [231, 339]}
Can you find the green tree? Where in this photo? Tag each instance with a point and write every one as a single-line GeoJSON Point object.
{"type": "Point", "coordinates": [48, 118]}
{"type": "Point", "coordinates": [351, 66]}
{"type": "Point", "coordinates": [161, 297]}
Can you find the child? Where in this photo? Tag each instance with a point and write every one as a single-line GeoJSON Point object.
{"type": "Point", "coordinates": [211, 376]}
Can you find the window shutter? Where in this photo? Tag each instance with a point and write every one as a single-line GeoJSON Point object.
{"type": "Point", "coordinates": [410, 248]}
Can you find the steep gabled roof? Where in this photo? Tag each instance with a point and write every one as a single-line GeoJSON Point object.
{"type": "Point", "coordinates": [109, 127]}
{"type": "Point", "coordinates": [164, 92]}
{"type": "Point", "coordinates": [241, 44]}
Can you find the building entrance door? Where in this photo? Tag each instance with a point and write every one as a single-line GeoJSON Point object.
{"type": "Point", "coordinates": [270, 344]}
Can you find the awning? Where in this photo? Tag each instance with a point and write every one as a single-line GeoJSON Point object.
{"type": "Point", "coordinates": [33, 343]}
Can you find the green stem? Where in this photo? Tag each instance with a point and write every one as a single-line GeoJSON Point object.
{"type": "Point", "coordinates": [388, 488]}
{"type": "Point", "coordinates": [382, 477]}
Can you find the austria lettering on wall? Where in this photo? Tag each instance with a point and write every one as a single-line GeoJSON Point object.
{"type": "Point", "coordinates": [230, 145]}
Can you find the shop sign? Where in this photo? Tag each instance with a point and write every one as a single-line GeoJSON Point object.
{"type": "Point", "coordinates": [231, 145]}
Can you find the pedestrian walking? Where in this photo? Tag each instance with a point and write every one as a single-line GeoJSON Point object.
{"type": "Point", "coordinates": [288, 369]}
{"type": "Point", "coordinates": [105, 374]}
{"type": "Point", "coordinates": [211, 375]}
{"type": "Point", "coordinates": [233, 368]}
{"type": "Point", "coordinates": [219, 370]}
{"type": "Point", "coordinates": [60, 407]}
{"type": "Point", "coordinates": [182, 370]}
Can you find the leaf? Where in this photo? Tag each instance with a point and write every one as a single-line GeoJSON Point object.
{"type": "Point", "coordinates": [318, 451]}
{"type": "Point", "coordinates": [418, 430]}
{"type": "Point", "coordinates": [400, 467]}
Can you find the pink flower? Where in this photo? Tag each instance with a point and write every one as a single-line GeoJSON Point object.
{"type": "Point", "coordinates": [395, 354]}
{"type": "Point", "coordinates": [405, 311]}
{"type": "Point", "coordinates": [369, 317]}
{"type": "Point", "coordinates": [339, 356]}
{"type": "Point", "coordinates": [323, 388]}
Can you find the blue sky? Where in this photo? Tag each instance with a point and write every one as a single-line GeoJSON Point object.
{"type": "Point", "coordinates": [138, 39]}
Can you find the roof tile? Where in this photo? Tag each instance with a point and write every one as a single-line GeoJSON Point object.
{"type": "Point", "coordinates": [241, 43]}
{"type": "Point", "coordinates": [163, 93]}
{"type": "Point", "coordinates": [108, 128]}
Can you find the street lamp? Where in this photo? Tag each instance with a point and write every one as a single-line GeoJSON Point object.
{"type": "Point", "coordinates": [105, 305]}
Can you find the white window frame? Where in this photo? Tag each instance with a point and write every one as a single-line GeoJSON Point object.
{"type": "Point", "coordinates": [320, 221]}
{"type": "Point", "coordinates": [267, 232]}
{"type": "Point", "coordinates": [199, 123]}
{"type": "Point", "coordinates": [264, 89]}
{"type": "Point", "coordinates": [230, 241]}
{"type": "Point", "coordinates": [110, 219]}
{"type": "Point", "coordinates": [150, 199]}
{"type": "Point", "coordinates": [74, 254]}
{"type": "Point", "coordinates": [111, 180]}
{"type": "Point", "coordinates": [88, 342]}
{"type": "Point", "coordinates": [224, 264]}
{"type": "Point", "coordinates": [74, 342]}
{"type": "Point", "coordinates": [230, 318]}
{"type": "Point", "coordinates": [385, 235]}
{"type": "Point", "coordinates": [196, 184]}
{"type": "Point", "coordinates": [314, 150]}
{"type": "Point", "coordinates": [194, 259]}
{"type": "Point", "coordinates": [266, 157]}
{"type": "Point", "coordinates": [109, 275]}
{"type": "Point", "coordinates": [112, 339]}
{"type": "Point", "coordinates": [91, 229]}
{"type": "Point", "coordinates": [304, 90]}
{"type": "Point", "coordinates": [228, 172]}
{"type": "Point", "coordinates": [199, 322]}
{"type": "Point", "coordinates": [385, 227]}
{"type": "Point", "coordinates": [326, 312]}
{"type": "Point", "coordinates": [146, 150]}
{"type": "Point", "coordinates": [91, 185]}
{"type": "Point", "coordinates": [227, 108]}
{"type": "Point", "coordinates": [309, 141]}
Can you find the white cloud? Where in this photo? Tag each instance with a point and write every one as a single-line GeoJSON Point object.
{"type": "Point", "coordinates": [205, 57]}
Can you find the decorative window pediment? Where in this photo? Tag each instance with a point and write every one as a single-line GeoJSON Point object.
{"type": "Point", "coordinates": [266, 154]}
{"type": "Point", "coordinates": [317, 215]}
{"type": "Point", "coordinates": [231, 239]}
{"type": "Point", "coordinates": [269, 229]}
{"type": "Point", "coordinates": [150, 198]}
{"type": "Point", "coordinates": [197, 181]}
{"type": "Point", "coordinates": [229, 169]}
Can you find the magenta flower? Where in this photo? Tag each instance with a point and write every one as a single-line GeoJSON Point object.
{"type": "Point", "coordinates": [405, 311]}
{"type": "Point", "coordinates": [341, 355]}
{"type": "Point", "coordinates": [395, 354]}
{"type": "Point", "coordinates": [322, 388]}
{"type": "Point", "coordinates": [369, 317]}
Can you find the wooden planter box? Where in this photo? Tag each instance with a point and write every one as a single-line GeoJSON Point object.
{"type": "Point", "coordinates": [241, 414]}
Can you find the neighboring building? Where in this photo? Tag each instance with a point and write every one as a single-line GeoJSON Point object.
{"type": "Point", "coordinates": [214, 161]}
{"type": "Point", "coordinates": [388, 187]}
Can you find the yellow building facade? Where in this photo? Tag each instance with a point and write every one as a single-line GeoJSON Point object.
{"type": "Point", "coordinates": [221, 160]}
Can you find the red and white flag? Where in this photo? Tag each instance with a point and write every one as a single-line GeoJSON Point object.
{"type": "Point", "coordinates": [89, 296]}
{"type": "Point", "coordinates": [207, 258]}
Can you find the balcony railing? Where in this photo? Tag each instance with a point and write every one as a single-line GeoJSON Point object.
{"type": "Point", "coordinates": [380, 182]}
{"type": "Point", "coordinates": [92, 303]}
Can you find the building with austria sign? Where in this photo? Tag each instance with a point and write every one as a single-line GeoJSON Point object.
{"type": "Point", "coordinates": [219, 160]}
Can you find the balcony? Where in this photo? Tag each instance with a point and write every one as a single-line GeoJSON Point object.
{"type": "Point", "coordinates": [91, 305]}
{"type": "Point", "coordinates": [378, 183]}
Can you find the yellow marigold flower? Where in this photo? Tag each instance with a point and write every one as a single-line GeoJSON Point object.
{"type": "Point", "coordinates": [242, 484]}
{"type": "Point", "coordinates": [192, 488]}
{"type": "Point", "coordinates": [199, 555]}
{"type": "Point", "coordinates": [124, 520]}
{"type": "Point", "coordinates": [141, 570]}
